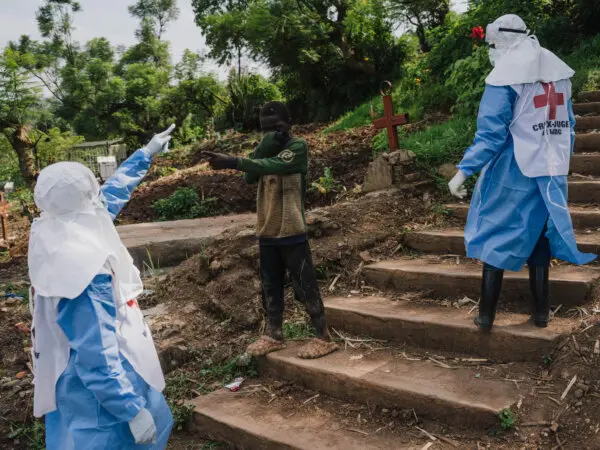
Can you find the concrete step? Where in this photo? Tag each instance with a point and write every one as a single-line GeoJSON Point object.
{"type": "Point", "coordinates": [244, 422]}
{"type": "Point", "coordinates": [589, 96]}
{"type": "Point", "coordinates": [449, 329]}
{"type": "Point", "coordinates": [392, 381]}
{"type": "Point", "coordinates": [587, 142]}
{"type": "Point", "coordinates": [569, 285]}
{"type": "Point", "coordinates": [169, 243]}
{"type": "Point", "coordinates": [586, 164]}
{"type": "Point", "coordinates": [451, 240]}
{"type": "Point", "coordinates": [583, 218]}
{"type": "Point", "coordinates": [586, 108]}
{"type": "Point", "coordinates": [587, 124]}
{"type": "Point", "coordinates": [584, 191]}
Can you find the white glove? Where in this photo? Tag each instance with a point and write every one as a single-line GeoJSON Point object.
{"type": "Point", "coordinates": [160, 142]}
{"type": "Point", "coordinates": [143, 428]}
{"type": "Point", "coordinates": [456, 185]}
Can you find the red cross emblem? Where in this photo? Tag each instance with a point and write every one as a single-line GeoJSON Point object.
{"type": "Point", "coordinates": [550, 97]}
{"type": "Point", "coordinates": [133, 303]}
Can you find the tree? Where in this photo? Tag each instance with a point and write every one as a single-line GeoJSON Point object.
{"type": "Point", "coordinates": [159, 13]}
{"type": "Point", "coordinates": [224, 25]}
{"type": "Point", "coordinates": [19, 99]}
{"type": "Point", "coordinates": [329, 55]}
{"type": "Point", "coordinates": [423, 15]}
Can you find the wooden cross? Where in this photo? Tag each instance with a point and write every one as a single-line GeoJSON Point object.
{"type": "Point", "coordinates": [549, 98]}
{"type": "Point", "coordinates": [4, 206]}
{"type": "Point", "coordinates": [390, 121]}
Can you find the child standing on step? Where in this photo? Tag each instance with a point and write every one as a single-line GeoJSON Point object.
{"type": "Point", "coordinates": [279, 165]}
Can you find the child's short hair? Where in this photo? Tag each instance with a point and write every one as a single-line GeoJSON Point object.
{"type": "Point", "coordinates": [276, 109]}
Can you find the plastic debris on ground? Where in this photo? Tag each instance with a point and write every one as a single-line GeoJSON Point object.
{"type": "Point", "coordinates": [235, 385]}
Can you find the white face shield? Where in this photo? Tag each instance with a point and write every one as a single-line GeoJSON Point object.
{"type": "Point", "coordinates": [503, 34]}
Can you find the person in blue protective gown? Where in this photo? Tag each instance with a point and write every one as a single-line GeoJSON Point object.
{"type": "Point", "coordinates": [525, 136]}
{"type": "Point", "coordinates": [97, 376]}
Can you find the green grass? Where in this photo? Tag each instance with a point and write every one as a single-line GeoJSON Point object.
{"type": "Point", "coordinates": [33, 434]}
{"type": "Point", "coordinates": [183, 386]}
{"type": "Point", "coordinates": [585, 60]}
{"type": "Point", "coordinates": [361, 116]}
{"type": "Point", "coordinates": [297, 330]}
{"type": "Point", "coordinates": [507, 418]}
{"type": "Point", "coordinates": [441, 143]}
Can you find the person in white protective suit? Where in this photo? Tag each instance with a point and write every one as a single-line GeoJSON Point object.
{"type": "Point", "coordinates": [97, 376]}
{"type": "Point", "coordinates": [523, 145]}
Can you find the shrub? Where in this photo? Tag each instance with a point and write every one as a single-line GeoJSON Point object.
{"type": "Point", "coordinates": [466, 81]}
{"type": "Point", "coordinates": [184, 203]}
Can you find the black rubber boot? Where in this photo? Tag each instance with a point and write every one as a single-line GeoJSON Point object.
{"type": "Point", "coordinates": [490, 292]}
{"type": "Point", "coordinates": [538, 283]}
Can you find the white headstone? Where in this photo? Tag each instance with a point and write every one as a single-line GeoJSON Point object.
{"type": "Point", "coordinates": [107, 166]}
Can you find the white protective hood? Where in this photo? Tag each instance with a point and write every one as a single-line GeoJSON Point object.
{"type": "Point", "coordinates": [75, 236]}
{"type": "Point", "coordinates": [518, 57]}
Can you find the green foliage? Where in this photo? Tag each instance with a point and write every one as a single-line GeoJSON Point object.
{"type": "Point", "coordinates": [466, 81]}
{"type": "Point", "coordinates": [32, 434]}
{"type": "Point", "coordinates": [508, 419]}
{"type": "Point", "coordinates": [247, 93]}
{"type": "Point", "coordinates": [547, 360]}
{"type": "Point", "coordinates": [327, 183]}
{"type": "Point", "coordinates": [297, 330]}
{"type": "Point", "coordinates": [585, 60]}
{"type": "Point", "coordinates": [23, 199]}
{"type": "Point", "coordinates": [53, 145]}
{"type": "Point", "coordinates": [327, 62]}
{"type": "Point", "coordinates": [184, 203]}
{"type": "Point", "coordinates": [441, 143]}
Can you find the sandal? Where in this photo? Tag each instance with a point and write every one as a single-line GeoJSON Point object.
{"type": "Point", "coordinates": [316, 348]}
{"type": "Point", "coordinates": [264, 346]}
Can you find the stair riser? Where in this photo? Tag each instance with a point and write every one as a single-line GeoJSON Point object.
{"type": "Point", "coordinates": [586, 108]}
{"type": "Point", "coordinates": [236, 437]}
{"type": "Point", "coordinates": [587, 142]}
{"type": "Point", "coordinates": [357, 390]}
{"type": "Point", "coordinates": [497, 346]}
{"type": "Point", "coordinates": [584, 192]}
{"type": "Point", "coordinates": [455, 245]}
{"type": "Point", "coordinates": [441, 285]}
{"type": "Point", "coordinates": [589, 123]}
{"type": "Point", "coordinates": [582, 220]}
{"type": "Point", "coordinates": [586, 164]}
{"type": "Point", "coordinates": [590, 96]}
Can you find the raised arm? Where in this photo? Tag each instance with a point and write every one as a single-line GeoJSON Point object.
{"type": "Point", "coordinates": [293, 159]}
{"type": "Point", "coordinates": [118, 188]}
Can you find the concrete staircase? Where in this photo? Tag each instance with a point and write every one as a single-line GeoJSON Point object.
{"type": "Point", "coordinates": [447, 392]}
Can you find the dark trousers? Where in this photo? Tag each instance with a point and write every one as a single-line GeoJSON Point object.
{"type": "Point", "coordinates": [540, 256]}
{"type": "Point", "coordinates": [275, 261]}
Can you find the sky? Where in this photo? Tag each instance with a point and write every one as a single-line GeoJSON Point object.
{"type": "Point", "coordinates": [110, 19]}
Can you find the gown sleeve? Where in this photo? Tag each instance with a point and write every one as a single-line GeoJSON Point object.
{"type": "Point", "coordinates": [88, 321]}
{"type": "Point", "coordinates": [573, 122]}
{"type": "Point", "coordinates": [118, 188]}
{"type": "Point", "coordinates": [493, 122]}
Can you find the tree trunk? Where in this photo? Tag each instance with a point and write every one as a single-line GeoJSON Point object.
{"type": "Point", "coordinates": [23, 145]}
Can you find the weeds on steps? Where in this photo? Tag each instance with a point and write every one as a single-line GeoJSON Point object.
{"type": "Point", "coordinates": [507, 419]}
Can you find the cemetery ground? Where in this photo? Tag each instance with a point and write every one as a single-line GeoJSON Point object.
{"type": "Point", "coordinates": [400, 297]}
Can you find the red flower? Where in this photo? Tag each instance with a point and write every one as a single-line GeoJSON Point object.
{"type": "Point", "coordinates": [477, 33]}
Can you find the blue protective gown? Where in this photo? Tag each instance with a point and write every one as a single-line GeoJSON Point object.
{"type": "Point", "coordinates": [509, 210]}
{"type": "Point", "coordinates": [99, 392]}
